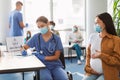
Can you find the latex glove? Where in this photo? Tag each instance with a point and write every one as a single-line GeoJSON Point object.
{"type": "Point", "coordinates": [39, 56]}
{"type": "Point", "coordinates": [24, 52]}
{"type": "Point", "coordinates": [26, 25]}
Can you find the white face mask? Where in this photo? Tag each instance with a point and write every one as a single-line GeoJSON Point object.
{"type": "Point", "coordinates": [74, 29]}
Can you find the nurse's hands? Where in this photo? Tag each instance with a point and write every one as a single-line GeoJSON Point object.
{"type": "Point", "coordinates": [96, 55]}
{"type": "Point", "coordinates": [39, 56]}
{"type": "Point", "coordinates": [26, 25]}
{"type": "Point", "coordinates": [24, 52]}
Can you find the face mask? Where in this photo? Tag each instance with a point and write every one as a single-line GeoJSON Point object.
{"type": "Point", "coordinates": [98, 29]}
{"type": "Point", "coordinates": [28, 35]}
{"type": "Point", "coordinates": [51, 27]}
{"type": "Point", "coordinates": [74, 29]}
{"type": "Point", "coordinates": [43, 30]}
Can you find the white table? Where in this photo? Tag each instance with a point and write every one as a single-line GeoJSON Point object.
{"type": "Point", "coordinates": [13, 64]}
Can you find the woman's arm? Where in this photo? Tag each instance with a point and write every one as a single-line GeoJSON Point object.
{"type": "Point", "coordinates": [80, 38]}
{"type": "Point", "coordinates": [24, 47]}
{"type": "Point", "coordinates": [88, 68]}
{"type": "Point", "coordinates": [113, 60]}
{"type": "Point", "coordinates": [54, 57]}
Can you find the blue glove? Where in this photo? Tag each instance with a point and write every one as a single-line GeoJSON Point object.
{"type": "Point", "coordinates": [24, 52]}
{"type": "Point", "coordinates": [26, 24]}
{"type": "Point", "coordinates": [39, 56]}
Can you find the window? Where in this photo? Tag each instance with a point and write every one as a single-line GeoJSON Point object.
{"type": "Point", "coordinates": [33, 9]}
{"type": "Point", "coordinates": [66, 14]}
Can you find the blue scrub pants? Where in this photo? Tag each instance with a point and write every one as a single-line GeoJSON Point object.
{"type": "Point", "coordinates": [94, 77]}
{"type": "Point", "coordinates": [78, 50]}
{"type": "Point", "coordinates": [57, 73]}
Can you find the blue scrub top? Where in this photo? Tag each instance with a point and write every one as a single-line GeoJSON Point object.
{"type": "Point", "coordinates": [14, 19]}
{"type": "Point", "coordinates": [48, 48]}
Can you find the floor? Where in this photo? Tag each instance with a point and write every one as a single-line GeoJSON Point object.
{"type": "Point", "coordinates": [76, 70]}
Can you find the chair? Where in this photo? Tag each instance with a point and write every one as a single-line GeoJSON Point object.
{"type": "Point", "coordinates": [83, 49]}
{"type": "Point", "coordinates": [63, 62]}
{"type": "Point", "coordinates": [62, 59]}
{"type": "Point", "coordinates": [0, 44]}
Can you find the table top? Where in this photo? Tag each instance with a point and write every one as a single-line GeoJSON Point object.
{"type": "Point", "coordinates": [10, 64]}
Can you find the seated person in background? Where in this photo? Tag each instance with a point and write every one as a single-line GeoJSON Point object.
{"type": "Point", "coordinates": [28, 36]}
{"type": "Point", "coordinates": [75, 39]}
{"type": "Point", "coordinates": [48, 49]}
{"type": "Point", "coordinates": [52, 26]}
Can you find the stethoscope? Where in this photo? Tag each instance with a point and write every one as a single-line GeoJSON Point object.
{"type": "Point", "coordinates": [51, 44]}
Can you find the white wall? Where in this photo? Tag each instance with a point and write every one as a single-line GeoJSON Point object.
{"type": "Point", "coordinates": [93, 8]}
{"type": "Point", "coordinates": [5, 7]}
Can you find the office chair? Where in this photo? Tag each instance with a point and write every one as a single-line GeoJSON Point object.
{"type": "Point", "coordinates": [0, 43]}
{"type": "Point", "coordinates": [83, 49]}
{"type": "Point", "coordinates": [70, 77]}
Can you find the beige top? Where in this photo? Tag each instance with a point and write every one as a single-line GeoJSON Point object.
{"type": "Point", "coordinates": [76, 38]}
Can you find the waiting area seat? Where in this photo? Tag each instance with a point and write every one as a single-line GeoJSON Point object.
{"type": "Point", "coordinates": [70, 54]}
{"type": "Point", "coordinates": [0, 43]}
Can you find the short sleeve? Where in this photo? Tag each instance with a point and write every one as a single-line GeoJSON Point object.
{"type": "Point", "coordinates": [31, 42]}
{"type": "Point", "coordinates": [59, 45]}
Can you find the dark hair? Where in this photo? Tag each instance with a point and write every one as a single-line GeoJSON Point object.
{"type": "Point", "coordinates": [52, 23]}
{"type": "Point", "coordinates": [75, 26]}
{"type": "Point", "coordinates": [19, 2]}
{"type": "Point", "coordinates": [42, 19]}
{"type": "Point", "coordinates": [107, 20]}
{"type": "Point", "coordinates": [27, 38]}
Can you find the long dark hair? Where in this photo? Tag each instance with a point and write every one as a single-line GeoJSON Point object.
{"type": "Point", "coordinates": [107, 20]}
{"type": "Point", "coordinates": [27, 38]}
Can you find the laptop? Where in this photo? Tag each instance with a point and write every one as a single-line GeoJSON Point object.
{"type": "Point", "coordinates": [14, 44]}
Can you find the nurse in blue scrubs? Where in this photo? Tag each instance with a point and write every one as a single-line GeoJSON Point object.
{"type": "Point", "coordinates": [48, 47]}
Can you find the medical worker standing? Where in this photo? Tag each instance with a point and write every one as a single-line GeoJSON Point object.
{"type": "Point", "coordinates": [16, 24]}
{"type": "Point", "coordinates": [48, 49]}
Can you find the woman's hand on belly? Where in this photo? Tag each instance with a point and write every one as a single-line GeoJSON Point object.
{"type": "Point", "coordinates": [96, 55]}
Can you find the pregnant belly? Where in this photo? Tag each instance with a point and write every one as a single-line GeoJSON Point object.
{"type": "Point", "coordinates": [96, 65]}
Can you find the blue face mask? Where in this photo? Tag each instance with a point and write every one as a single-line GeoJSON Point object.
{"type": "Point", "coordinates": [98, 29]}
{"type": "Point", "coordinates": [43, 30]}
{"type": "Point", "coordinates": [28, 35]}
